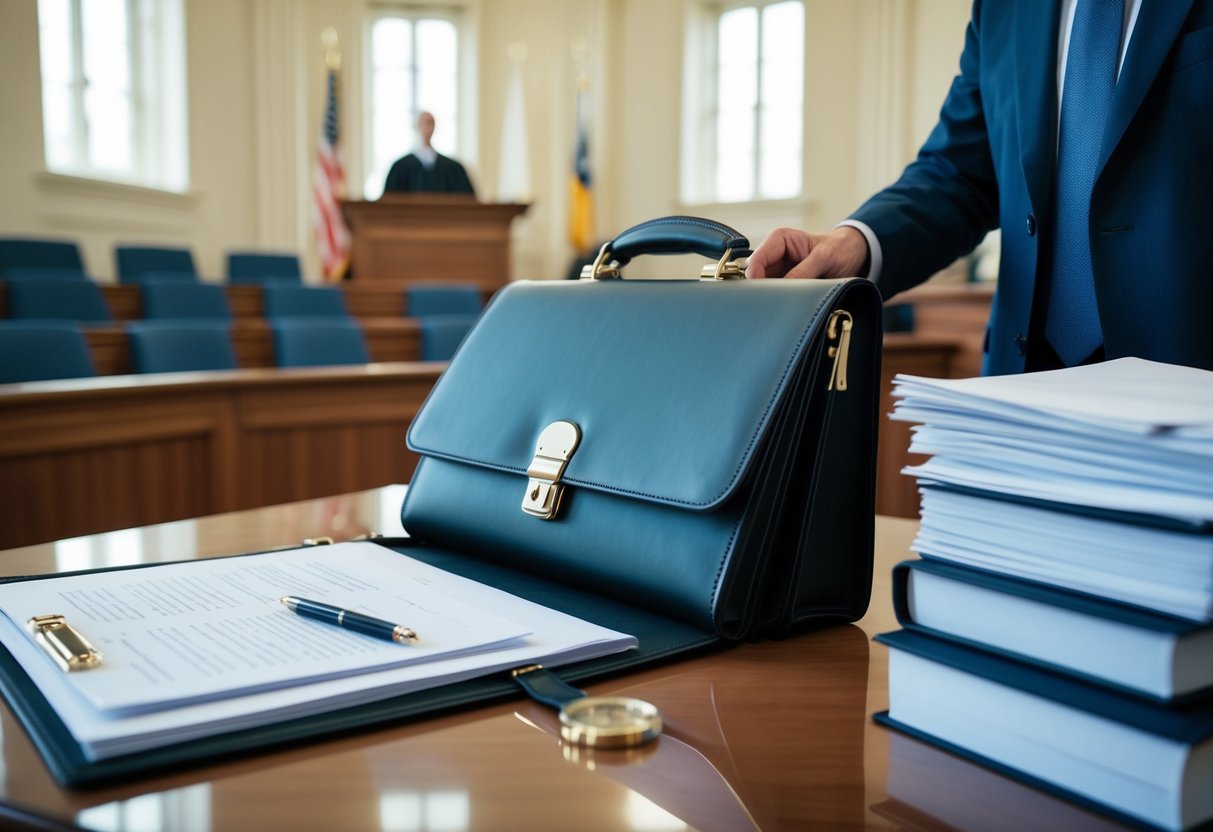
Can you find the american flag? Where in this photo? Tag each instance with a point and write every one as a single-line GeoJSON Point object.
{"type": "Point", "coordinates": [328, 189]}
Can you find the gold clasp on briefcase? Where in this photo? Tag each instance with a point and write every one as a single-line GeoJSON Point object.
{"type": "Point", "coordinates": [553, 451]}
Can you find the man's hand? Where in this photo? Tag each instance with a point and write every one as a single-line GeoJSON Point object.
{"type": "Point", "coordinates": [787, 252]}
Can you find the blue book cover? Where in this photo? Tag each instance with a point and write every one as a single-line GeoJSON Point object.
{"type": "Point", "coordinates": [1138, 651]}
{"type": "Point", "coordinates": [1137, 760]}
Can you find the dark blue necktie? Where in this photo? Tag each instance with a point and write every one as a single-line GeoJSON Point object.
{"type": "Point", "coordinates": [1072, 320]}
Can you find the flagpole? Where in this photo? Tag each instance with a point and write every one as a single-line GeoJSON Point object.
{"type": "Point", "coordinates": [328, 181]}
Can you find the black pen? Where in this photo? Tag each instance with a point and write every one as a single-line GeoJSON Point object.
{"type": "Point", "coordinates": [355, 621]}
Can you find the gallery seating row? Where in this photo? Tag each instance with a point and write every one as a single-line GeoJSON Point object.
{"type": "Point", "coordinates": [136, 263]}
{"type": "Point", "coordinates": [41, 350]}
{"type": "Point", "coordinates": [25, 296]}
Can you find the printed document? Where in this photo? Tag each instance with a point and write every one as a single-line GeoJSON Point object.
{"type": "Point", "coordinates": [501, 631]}
{"type": "Point", "coordinates": [200, 630]}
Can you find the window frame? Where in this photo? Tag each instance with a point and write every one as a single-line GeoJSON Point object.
{"type": "Point", "coordinates": [452, 13]}
{"type": "Point", "coordinates": [158, 115]}
{"type": "Point", "coordinates": [702, 110]}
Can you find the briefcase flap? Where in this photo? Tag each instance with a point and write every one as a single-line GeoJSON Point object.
{"type": "Point", "coordinates": [671, 383]}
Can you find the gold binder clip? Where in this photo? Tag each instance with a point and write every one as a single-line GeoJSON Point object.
{"type": "Point", "coordinates": [70, 650]}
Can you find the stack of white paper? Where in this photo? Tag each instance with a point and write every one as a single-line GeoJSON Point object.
{"type": "Point", "coordinates": [203, 647]}
{"type": "Point", "coordinates": [1111, 442]}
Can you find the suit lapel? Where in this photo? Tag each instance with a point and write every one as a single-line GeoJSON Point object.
{"type": "Point", "coordinates": [1158, 24]}
{"type": "Point", "coordinates": [1036, 93]}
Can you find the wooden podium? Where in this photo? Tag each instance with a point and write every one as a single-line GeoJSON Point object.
{"type": "Point", "coordinates": [407, 238]}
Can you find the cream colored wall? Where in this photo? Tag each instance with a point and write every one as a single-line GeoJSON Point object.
{"type": "Point", "coordinates": [876, 72]}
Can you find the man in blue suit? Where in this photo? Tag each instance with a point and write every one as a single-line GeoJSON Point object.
{"type": "Point", "coordinates": [1142, 237]}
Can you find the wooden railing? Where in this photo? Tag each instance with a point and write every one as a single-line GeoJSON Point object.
{"type": "Point", "coordinates": [89, 455]}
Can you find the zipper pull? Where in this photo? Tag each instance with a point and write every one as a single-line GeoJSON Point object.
{"type": "Point", "coordinates": [838, 376]}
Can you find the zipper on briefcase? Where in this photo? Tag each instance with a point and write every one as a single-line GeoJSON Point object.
{"type": "Point", "coordinates": [838, 328]}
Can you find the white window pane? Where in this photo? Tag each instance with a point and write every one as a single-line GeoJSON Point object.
{"type": "Point", "coordinates": [737, 86]}
{"type": "Point", "coordinates": [106, 53]}
{"type": "Point", "coordinates": [735, 155]}
{"type": "Point", "coordinates": [55, 15]}
{"type": "Point", "coordinates": [780, 178]}
{"type": "Point", "coordinates": [392, 42]}
{"type": "Point", "coordinates": [55, 41]}
{"type": "Point", "coordinates": [57, 126]}
{"type": "Point", "coordinates": [393, 95]}
{"type": "Point", "coordinates": [737, 37]}
{"type": "Point", "coordinates": [437, 46]}
{"type": "Point", "coordinates": [109, 130]}
{"type": "Point", "coordinates": [783, 31]}
{"type": "Point", "coordinates": [437, 93]}
{"type": "Point", "coordinates": [392, 140]}
{"type": "Point", "coordinates": [783, 54]}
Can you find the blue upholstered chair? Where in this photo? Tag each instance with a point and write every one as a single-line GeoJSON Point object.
{"type": "Point", "coordinates": [257, 267]}
{"type": "Point", "coordinates": [41, 350]}
{"type": "Point", "coordinates": [135, 263]}
{"type": "Point", "coordinates": [442, 299]}
{"type": "Point", "coordinates": [441, 335]}
{"type": "Point", "coordinates": [32, 273]}
{"type": "Point", "coordinates": [24, 253]}
{"type": "Point", "coordinates": [161, 277]}
{"type": "Point", "coordinates": [315, 342]}
{"type": "Point", "coordinates": [65, 299]}
{"type": "Point", "coordinates": [184, 299]}
{"type": "Point", "coordinates": [283, 301]}
{"type": "Point", "coordinates": [180, 346]}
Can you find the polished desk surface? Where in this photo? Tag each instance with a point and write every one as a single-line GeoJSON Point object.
{"type": "Point", "coordinates": [769, 735]}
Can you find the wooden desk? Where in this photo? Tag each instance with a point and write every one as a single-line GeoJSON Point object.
{"type": "Point", "coordinates": [88, 455]}
{"type": "Point", "coordinates": [772, 735]}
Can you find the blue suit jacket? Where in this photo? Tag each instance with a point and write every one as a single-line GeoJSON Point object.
{"type": "Point", "coordinates": [989, 163]}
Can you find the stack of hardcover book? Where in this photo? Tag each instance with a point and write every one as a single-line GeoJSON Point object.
{"type": "Point", "coordinates": [1059, 626]}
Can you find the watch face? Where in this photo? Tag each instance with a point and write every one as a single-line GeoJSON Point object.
{"type": "Point", "coordinates": [609, 721]}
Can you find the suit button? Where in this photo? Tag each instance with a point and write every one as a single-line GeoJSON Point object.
{"type": "Point", "coordinates": [1031, 225]}
{"type": "Point", "coordinates": [1021, 345]}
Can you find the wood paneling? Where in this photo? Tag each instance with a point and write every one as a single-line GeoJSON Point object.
{"type": "Point", "coordinates": [84, 456]}
{"type": "Point", "coordinates": [955, 311]}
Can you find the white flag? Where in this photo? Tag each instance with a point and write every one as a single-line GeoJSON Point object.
{"type": "Point", "coordinates": [514, 171]}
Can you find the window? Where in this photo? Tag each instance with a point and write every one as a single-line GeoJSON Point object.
{"type": "Point", "coordinates": [747, 137]}
{"type": "Point", "coordinates": [113, 90]}
{"type": "Point", "coordinates": [414, 68]}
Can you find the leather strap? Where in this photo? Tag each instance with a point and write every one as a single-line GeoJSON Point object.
{"type": "Point", "coordinates": [544, 686]}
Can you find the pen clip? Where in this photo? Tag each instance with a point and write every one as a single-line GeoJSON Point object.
{"type": "Point", "coordinates": [63, 643]}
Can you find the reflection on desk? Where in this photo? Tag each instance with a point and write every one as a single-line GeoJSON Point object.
{"type": "Point", "coordinates": [770, 735]}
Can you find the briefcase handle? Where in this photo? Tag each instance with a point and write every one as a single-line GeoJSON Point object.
{"type": "Point", "coordinates": [674, 235]}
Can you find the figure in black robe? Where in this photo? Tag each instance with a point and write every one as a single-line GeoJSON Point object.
{"type": "Point", "coordinates": [445, 176]}
{"type": "Point", "coordinates": [426, 170]}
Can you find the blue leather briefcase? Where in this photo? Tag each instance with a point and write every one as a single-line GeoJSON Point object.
{"type": "Point", "coordinates": [700, 448]}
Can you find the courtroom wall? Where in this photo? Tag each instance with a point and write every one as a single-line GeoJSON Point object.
{"type": "Point", "coordinates": [876, 72]}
